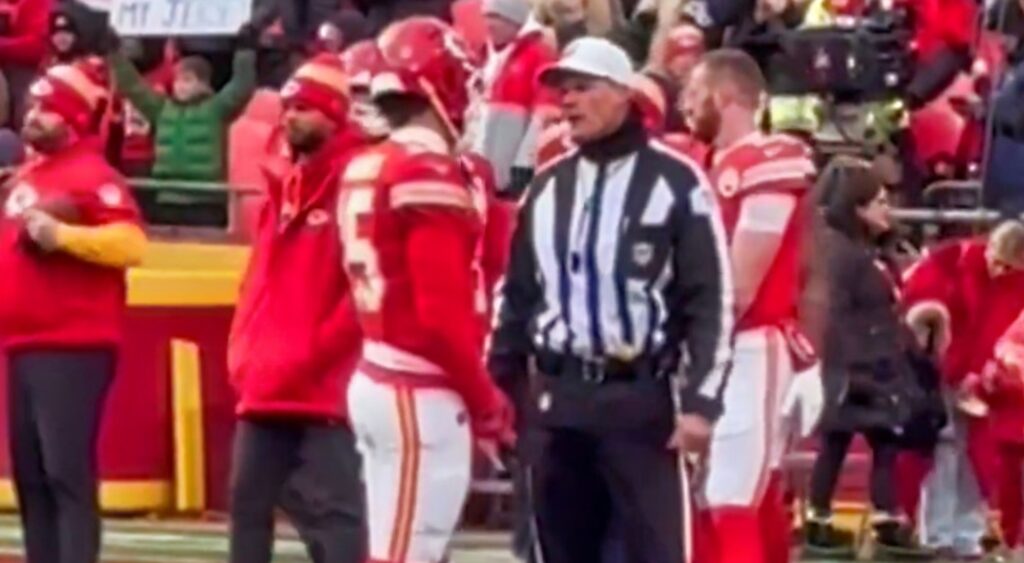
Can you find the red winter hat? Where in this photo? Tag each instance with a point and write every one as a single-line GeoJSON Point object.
{"type": "Point", "coordinates": [74, 91]}
{"type": "Point", "coordinates": [320, 83]}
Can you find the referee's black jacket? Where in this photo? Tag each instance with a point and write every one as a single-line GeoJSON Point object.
{"type": "Point", "coordinates": [619, 257]}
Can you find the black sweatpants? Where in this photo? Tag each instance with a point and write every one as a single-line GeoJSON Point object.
{"type": "Point", "coordinates": [829, 463]}
{"type": "Point", "coordinates": [312, 472]}
{"type": "Point", "coordinates": [55, 404]}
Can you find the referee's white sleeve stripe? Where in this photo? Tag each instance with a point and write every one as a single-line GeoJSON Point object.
{"type": "Point", "coordinates": [722, 357]}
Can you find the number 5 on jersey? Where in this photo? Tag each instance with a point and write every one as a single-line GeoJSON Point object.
{"type": "Point", "coordinates": [354, 210]}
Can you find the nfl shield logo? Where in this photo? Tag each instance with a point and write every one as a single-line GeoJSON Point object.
{"type": "Point", "coordinates": [643, 253]}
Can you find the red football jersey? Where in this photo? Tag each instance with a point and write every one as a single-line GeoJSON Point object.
{"type": "Point", "coordinates": [760, 165]}
{"type": "Point", "coordinates": [491, 256]}
{"type": "Point", "coordinates": [411, 226]}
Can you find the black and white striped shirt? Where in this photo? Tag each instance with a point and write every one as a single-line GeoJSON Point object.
{"type": "Point", "coordinates": [622, 258]}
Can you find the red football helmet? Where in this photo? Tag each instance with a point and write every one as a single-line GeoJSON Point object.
{"type": "Point", "coordinates": [426, 57]}
{"type": "Point", "coordinates": [361, 61]}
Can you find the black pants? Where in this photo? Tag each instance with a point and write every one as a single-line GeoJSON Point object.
{"type": "Point", "coordinates": [834, 445]}
{"type": "Point", "coordinates": [55, 403]}
{"type": "Point", "coordinates": [601, 457]}
{"type": "Point", "coordinates": [309, 470]}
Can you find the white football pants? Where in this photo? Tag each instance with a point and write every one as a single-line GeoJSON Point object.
{"type": "Point", "coordinates": [416, 446]}
{"type": "Point", "coordinates": [749, 440]}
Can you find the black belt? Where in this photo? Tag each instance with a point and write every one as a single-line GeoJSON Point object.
{"type": "Point", "coordinates": [602, 370]}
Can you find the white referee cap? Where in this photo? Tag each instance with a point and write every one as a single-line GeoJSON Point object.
{"type": "Point", "coordinates": [593, 57]}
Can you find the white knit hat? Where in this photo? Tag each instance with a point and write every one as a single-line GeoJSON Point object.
{"type": "Point", "coordinates": [515, 11]}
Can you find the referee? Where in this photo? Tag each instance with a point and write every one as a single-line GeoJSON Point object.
{"type": "Point", "coordinates": [618, 283]}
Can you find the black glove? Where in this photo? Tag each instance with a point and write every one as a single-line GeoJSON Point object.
{"type": "Point", "coordinates": [248, 37]}
{"type": "Point", "coordinates": [108, 41]}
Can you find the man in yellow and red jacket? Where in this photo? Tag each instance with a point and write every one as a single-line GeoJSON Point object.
{"type": "Point", "coordinates": [68, 231]}
{"type": "Point", "coordinates": [295, 340]}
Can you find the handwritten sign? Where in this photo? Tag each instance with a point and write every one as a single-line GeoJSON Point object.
{"type": "Point", "coordinates": [179, 17]}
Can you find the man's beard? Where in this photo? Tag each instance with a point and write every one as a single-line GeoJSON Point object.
{"type": "Point", "coordinates": [304, 141]}
{"type": "Point", "coordinates": [705, 126]}
{"type": "Point", "coordinates": [42, 140]}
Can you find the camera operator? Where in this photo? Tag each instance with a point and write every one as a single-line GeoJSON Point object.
{"type": "Point", "coordinates": [941, 29]}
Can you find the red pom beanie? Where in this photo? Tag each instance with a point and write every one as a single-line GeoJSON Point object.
{"type": "Point", "coordinates": [74, 91]}
{"type": "Point", "coordinates": [320, 83]}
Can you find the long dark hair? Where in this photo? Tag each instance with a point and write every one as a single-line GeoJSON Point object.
{"type": "Point", "coordinates": [846, 184]}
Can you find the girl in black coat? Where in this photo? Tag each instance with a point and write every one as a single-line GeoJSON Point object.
{"type": "Point", "coordinates": [864, 364]}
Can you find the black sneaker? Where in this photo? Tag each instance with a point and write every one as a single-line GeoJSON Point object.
{"type": "Point", "coordinates": [823, 540]}
{"type": "Point", "coordinates": [894, 540]}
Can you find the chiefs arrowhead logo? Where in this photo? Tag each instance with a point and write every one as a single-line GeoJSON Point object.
{"type": "Point", "coordinates": [290, 89]}
{"type": "Point", "coordinates": [41, 88]}
{"type": "Point", "coordinates": [727, 182]}
{"type": "Point", "coordinates": [22, 197]}
{"type": "Point", "coordinates": [317, 218]}
{"type": "Point", "coordinates": [110, 195]}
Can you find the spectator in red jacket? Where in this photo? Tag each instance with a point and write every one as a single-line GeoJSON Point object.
{"type": "Point", "coordinates": [68, 230]}
{"type": "Point", "coordinates": [961, 297]}
{"type": "Point", "coordinates": [514, 102]}
{"type": "Point", "coordinates": [1004, 384]}
{"type": "Point", "coordinates": [295, 340]}
{"type": "Point", "coordinates": [943, 31]}
{"type": "Point", "coordinates": [23, 36]}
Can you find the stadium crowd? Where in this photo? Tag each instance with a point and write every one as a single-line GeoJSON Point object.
{"type": "Point", "coordinates": [677, 212]}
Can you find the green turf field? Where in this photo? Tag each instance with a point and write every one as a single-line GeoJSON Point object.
{"type": "Point", "coordinates": [151, 541]}
{"type": "Point", "coordinates": [147, 541]}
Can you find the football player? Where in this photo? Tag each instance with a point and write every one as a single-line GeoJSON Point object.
{"type": "Point", "coordinates": [411, 223]}
{"type": "Point", "coordinates": [761, 181]}
{"type": "Point", "coordinates": [361, 61]}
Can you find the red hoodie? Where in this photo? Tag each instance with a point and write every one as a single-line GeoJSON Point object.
{"type": "Point", "coordinates": [56, 299]}
{"type": "Point", "coordinates": [295, 338]}
{"type": "Point", "coordinates": [953, 279]}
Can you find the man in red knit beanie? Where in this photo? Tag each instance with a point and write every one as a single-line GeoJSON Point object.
{"type": "Point", "coordinates": [294, 342]}
{"type": "Point", "coordinates": [68, 231]}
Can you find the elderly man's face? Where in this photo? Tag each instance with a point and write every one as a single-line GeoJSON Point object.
{"type": "Point", "coordinates": [593, 107]}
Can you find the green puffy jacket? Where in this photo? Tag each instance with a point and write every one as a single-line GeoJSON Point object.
{"type": "Point", "coordinates": [191, 139]}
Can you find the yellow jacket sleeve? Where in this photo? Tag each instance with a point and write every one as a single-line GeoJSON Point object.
{"type": "Point", "coordinates": [117, 245]}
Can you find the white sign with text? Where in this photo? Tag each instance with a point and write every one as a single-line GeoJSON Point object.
{"type": "Point", "coordinates": [179, 17]}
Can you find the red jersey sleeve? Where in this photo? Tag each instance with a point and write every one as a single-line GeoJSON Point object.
{"type": "Point", "coordinates": [499, 218]}
{"type": "Point", "coordinates": [442, 228]}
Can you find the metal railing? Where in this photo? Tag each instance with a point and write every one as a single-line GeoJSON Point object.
{"type": "Point", "coordinates": [235, 197]}
{"type": "Point", "coordinates": [959, 193]}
